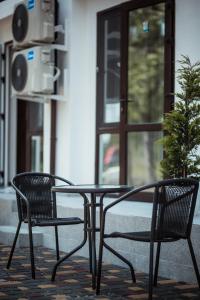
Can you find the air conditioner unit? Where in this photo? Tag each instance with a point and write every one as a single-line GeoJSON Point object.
{"type": "Point", "coordinates": [33, 21]}
{"type": "Point", "coordinates": [32, 71]}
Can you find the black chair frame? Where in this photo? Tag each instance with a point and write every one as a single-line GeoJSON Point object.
{"type": "Point", "coordinates": [161, 224]}
{"type": "Point", "coordinates": [29, 213]}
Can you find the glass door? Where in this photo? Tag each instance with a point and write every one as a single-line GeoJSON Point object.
{"type": "Point", "coordinates": [134, 82]}
{"type": "Point", "coordinates": [29, 136]}
{"type": "Point", "coordinates": [108, 106]}
{"type": "Point", "coordinates": [145, 93]}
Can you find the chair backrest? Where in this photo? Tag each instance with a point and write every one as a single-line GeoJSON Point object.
{"type": "Point", "coordinates": [37, 189]}
{"type": "Point", "coordinates": [174, 205]}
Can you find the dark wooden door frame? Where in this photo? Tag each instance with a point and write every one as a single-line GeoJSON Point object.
{"type": "Point", "coordinates": [2, 118]}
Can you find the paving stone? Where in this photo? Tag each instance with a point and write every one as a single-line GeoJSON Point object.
{"type": "Point", "coordinates": [73, 280]}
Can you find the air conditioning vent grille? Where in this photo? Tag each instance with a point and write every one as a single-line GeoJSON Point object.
{"type": "Point", "coordinates": [19, 72]}
{"type": "Point", "coordinates": [20, 23]}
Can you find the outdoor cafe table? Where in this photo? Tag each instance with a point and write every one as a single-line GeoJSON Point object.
{"type": "Point", "coordinates": [93, 190]}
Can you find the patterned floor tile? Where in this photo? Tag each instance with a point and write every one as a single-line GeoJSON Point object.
{"type": "Point", "coordinates": [73, 280]}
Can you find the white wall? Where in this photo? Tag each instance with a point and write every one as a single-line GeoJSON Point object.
{"type": "Point", "coordinates": [187, 29]}
{"type": "Point", "coordinates": [5, 29]}
{"type": "Point", "coordinates": [187, 25]}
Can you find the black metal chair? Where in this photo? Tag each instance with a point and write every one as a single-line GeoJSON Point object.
{"type": "Point", "coordinates": [37, 207]}
{"type": "Point", "coordinates": [174, 202]}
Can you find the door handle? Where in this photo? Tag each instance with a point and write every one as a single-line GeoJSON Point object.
{"type": "Point", "coordinates": [124, 102]}
{"type": "Point", "coordinates": [127, 100]}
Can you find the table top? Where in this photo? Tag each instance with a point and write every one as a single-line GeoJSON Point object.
{"type": "Point", "coordinates": [91, 188]}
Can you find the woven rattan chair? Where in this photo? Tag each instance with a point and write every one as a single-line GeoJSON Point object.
{"type": "Point", "coordinates": [37, 207]}
{"type": "Point", "coordinates": [172, 216]}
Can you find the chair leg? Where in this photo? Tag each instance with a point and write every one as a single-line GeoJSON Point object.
{"type": "Point", "coordinates": [157, 264]}
{"type": "Point", "coordinates": [194, 261]}
{"type": "Point", "coordinates": [98, 286]}
{"type": "Point", "coordinates": [151, 270]}
{"type": "Point", "coordinates": [123, 259]}
{"type": "Point", "coordinates": [57, 243]}
{"type": "Point", "coordinates": [31, 250]}
{"type": "Point", "coordinates": [13, 245]}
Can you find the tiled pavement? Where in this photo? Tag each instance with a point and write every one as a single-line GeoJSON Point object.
{"type": "Point", "coordinates": [73, 280]}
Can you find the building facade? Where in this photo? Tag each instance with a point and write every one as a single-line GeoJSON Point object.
{"type": "Point", "coordinates": [90, 134]}
{"type": "Point", "coordinates": [105, 120]}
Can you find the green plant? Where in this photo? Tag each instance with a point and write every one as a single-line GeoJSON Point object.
{"type": "Point", "coordinates": [182, 125]}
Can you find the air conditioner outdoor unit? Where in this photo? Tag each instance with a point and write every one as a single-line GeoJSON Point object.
{"type": "Point", "coordinates": [33, 22]}
{"type": "Point", "coordinates": [32, 71]}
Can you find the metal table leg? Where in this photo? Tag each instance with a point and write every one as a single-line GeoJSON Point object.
{"type": "Point", "coordinates": [93, 229]}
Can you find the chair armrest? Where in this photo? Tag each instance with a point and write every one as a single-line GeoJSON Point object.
{"type": "Point", "coordinates": [63, 179]}
{"type": "Point", "coordinates": [20, 194]}
{"type": "Point", "coordinates": [128, 194]}
{"type": "Point", "coordinates": [71, 183]}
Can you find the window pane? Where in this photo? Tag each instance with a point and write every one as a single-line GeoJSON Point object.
{"type": "Point", "coordinates": [144, 156]}
{"type": "Point", "coordinates": [36, 116]}
{"type": "Point", "coordinates": [109, 159]}
{"type": "Point", "coordinates": [36, 153]}
{"type": "Point", "coordinates": [146, 64]}
{"type": "Point", "coordinates": [112, 70]}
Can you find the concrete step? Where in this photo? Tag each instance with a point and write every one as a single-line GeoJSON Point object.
{"type": "Point", "coordinates": [7, 234]}
{"type": "Point", "coordinates": [11, 220]}
{"type": "Point", "coordinates": [8, 207]}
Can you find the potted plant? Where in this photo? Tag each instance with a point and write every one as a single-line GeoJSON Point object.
{"type": "Point", "coordinates": [182, 125]}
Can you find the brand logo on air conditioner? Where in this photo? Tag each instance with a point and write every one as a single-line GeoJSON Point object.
{"type": "Point", "coordinates": [31, 4]}
{"type": "Point", "coordinates": [30, 55]}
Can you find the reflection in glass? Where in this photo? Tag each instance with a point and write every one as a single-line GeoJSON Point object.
{"type": "Point", "coordinates": [146, 65]}
{"type": "Point", "coordinates": [109, 159]}
{"type": "Point", "coordinates": [112, 70]}
{"type": "Point", "coordinates": [144, 156]}
{"type": "Point", "coordinates": [36, 115]}
{"type": "Point", "coordinates": [36, 153]}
